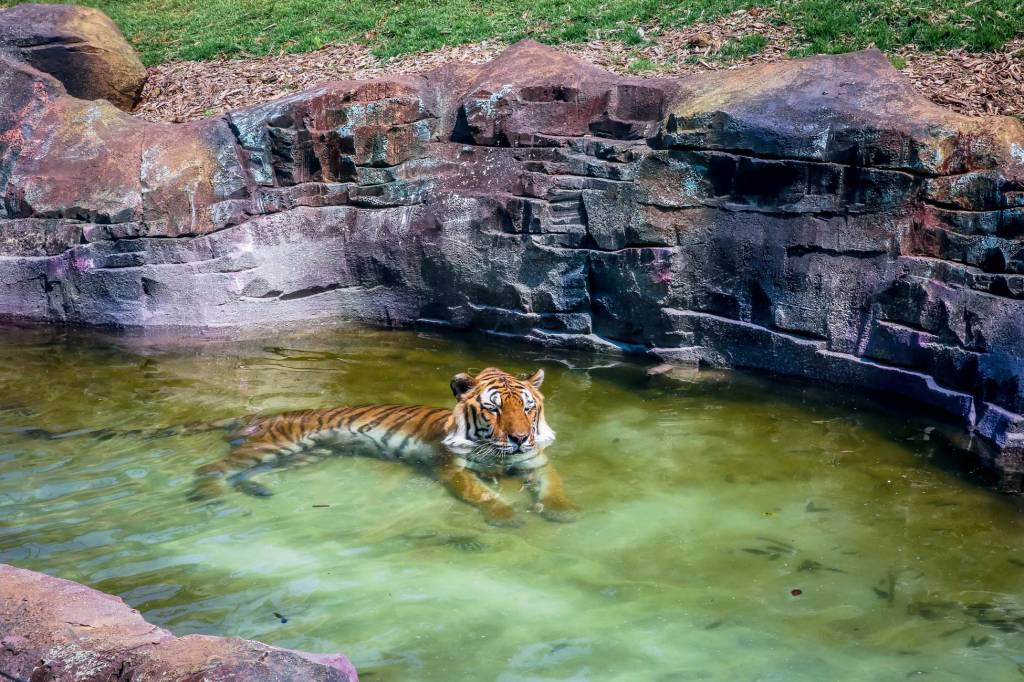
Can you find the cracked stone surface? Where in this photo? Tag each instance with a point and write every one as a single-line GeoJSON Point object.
{"type": "Point", "coordinates": [814, 218]}
{"type": "Point", "coordinates": [53, 630]}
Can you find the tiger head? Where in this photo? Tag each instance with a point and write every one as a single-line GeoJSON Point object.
{"type": "Point", "coordinates": [498, 417]}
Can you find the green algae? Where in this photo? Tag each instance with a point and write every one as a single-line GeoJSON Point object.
{"type": "Point", "coordinates": [733, 527]}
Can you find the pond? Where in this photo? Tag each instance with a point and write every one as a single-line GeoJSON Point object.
{"type": "Point", "coordinates": [733, 527]}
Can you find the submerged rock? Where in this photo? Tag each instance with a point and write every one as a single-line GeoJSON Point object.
{"type": "Point", "coordinates": [816, 218]}
{"type": "Point", "coordinates": [58, 630]}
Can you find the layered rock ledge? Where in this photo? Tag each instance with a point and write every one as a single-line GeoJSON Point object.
{"type": "Point", "coordinates": [53, 630]}
{"type": "Point", "coordinates": [813, 218]}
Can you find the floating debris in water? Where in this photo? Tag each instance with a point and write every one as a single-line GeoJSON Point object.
{"type": "Point", "coordinates": [419, 534]}
{"type": "Point", "coordinates": [302, 354]}
{"type": "Point", "coordinates": [320, 506]}
{"type": "Point", "coordinates": [29, 432]}
{"type": "Point", "coordinates": [280, 617]}
{"type": "Point", "coordinates": [955, 631]}
{"type": "Point", "coordinates": [925, 612]}
{"type": "Point", "coordinates": [979, 641]}
{"type": "Point", "coordinates": [796, 592]}
{"type": "Point", "coordinates": [1003, 618]}
{"type": "Point", "coordinates": [929, 610]}
{"type": "Point", "coordinates": [465, 543]}
{"type": "Point", "coordinates": [1007, 626]}
{"type": "Point", "coordinates": [17, 409]}
{"type": "Point", "coordinates": [777, 546]}
{"type": "Point", "coordinates": [785, 546]}
{"type": "Point", "coordinates": [714, 626]}
{"type": "Point", "coordinates": [1016, 562]}
{"type": "Point", "coordinates": [773, 549]}
{"type": "Point", "coordinates": [568, 363]}
{"type": "Point", "coordinates": [886, 588]}
{"type": "Point", "coordinates": [811, 507]}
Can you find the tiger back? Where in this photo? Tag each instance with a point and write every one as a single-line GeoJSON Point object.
{"type": "Point", "coordinates": [497, 427]}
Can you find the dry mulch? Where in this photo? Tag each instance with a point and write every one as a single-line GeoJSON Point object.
{"type": "Point", "coordinates": [971, 83]}
{"type": "Point", "coordinates": [186, 91]}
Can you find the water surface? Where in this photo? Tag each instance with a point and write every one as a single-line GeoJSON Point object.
{"type": "Point", "coordinates": [734, 528]}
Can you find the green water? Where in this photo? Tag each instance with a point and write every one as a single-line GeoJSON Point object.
{"type": "Point", "coordinates": [707, 500]}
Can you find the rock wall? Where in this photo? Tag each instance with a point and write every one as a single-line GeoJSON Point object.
{"type": "Point", "coordinates": [52, 630]}
{"type": "Point", "coordinates": [814, 218]}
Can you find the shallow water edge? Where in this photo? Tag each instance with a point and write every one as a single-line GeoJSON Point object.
{"type": "Point", "coordinates": [964, 452]}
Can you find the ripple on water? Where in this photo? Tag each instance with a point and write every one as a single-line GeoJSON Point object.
{"type": "Point", "coordinates": [733, 527]}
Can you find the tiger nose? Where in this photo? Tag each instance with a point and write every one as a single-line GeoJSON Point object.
{"type": "Point", "coordinates": [518, 439]}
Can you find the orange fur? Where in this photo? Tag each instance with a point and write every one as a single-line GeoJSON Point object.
{"type": "Point", "coordinates": [497, 427]}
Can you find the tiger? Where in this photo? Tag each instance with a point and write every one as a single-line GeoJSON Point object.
{"type": "Point", "coordinates": [496, 428]}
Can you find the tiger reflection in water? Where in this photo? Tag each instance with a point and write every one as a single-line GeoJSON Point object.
{"type": "Point", "coordinates": [497, 428]}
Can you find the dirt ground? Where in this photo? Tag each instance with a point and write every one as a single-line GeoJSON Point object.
{"type": "Point", "coordinates": [971, 83]}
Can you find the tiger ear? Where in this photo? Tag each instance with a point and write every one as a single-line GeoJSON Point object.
{"type": "Point", "coordinates": [462, 383]}
{"type": "Point", "coordinates": [536, 379]}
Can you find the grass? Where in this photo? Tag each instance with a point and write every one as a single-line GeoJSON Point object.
{"type": "Point", "coordinates": [163, 30]}
{"type": "Point", "coordinates": [642, 66]}
{"type": "Point", "coordinates": [744, 47]}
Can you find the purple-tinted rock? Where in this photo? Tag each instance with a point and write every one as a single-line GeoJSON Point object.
{"type": "Point", "coordinates": [57, 630]}
{"type": "Point", "coordinates": [79, 46]}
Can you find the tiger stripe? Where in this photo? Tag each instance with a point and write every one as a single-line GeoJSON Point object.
{"type": "Point", "coordinates": [497, 427]}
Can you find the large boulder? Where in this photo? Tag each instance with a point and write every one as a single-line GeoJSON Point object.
{"type": "Point", "coordinates": [815, 218]}
{"type": "Point", "coordinates": [57, 630]}
{"type": "Point", "coordinates": [79, 46]}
